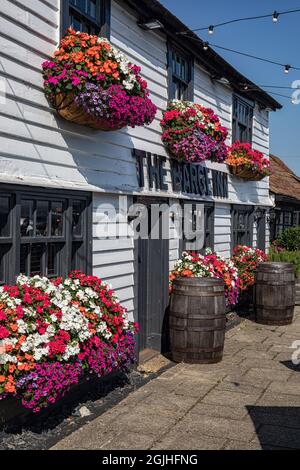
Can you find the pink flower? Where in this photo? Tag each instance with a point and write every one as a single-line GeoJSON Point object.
{"type": "Point", "coordinates": [53, 80]}
{"type": "Point", "coordinates": [2, 316]}
{"type": "Point", "coordinates": [4, 333]}
{"type": "Point", "coordinates": [48, 65]}
{"type": "Point", "coordinates": [75, 81]}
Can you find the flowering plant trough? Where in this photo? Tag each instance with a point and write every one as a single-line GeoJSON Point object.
{"type": "Point", "coordinates": [92, 83]}
{"type": "Point", "coordinates": [209, 265]}
{"type": "Point", "coordinates": [53, 332]}
{"type": "Point", "coordinates": [193, 133]}
{"type": "Point", "coordinates": [246, 259]}
{"type": "Point", "coordinates": [247, 163]}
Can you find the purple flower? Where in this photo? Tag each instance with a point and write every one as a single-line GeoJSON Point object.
{"type": "Point", "coordinates": [115, 106]}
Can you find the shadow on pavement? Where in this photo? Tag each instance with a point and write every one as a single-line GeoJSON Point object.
{"type": "Point", "coordinates": [276, 426]}
{"type": "Point", "coordinates": [291, 365]}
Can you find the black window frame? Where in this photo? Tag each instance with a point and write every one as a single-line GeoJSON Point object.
{"type": "Point", "coordinates": [188, 82]}
{"type": "Point", "coordinates": [242, 236]}
{"type": "Point", "coordinates": [239, 120]}
{"type": "Point", "coordinates": [63, 243]}
{"type": "Point", "coordinates": [279, 221]}
{"type": "Point", "coordinates": [209, 226]}
{"type": "Point", "coordinates": [100, 24]}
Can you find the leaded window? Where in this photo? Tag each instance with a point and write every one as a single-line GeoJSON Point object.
{"type": "Point", "coordinates": [242, 120]}
{"type": "Point", "coordinates": [208, 227]}
{"type": "Point", "coordinates": [89, 16]}
{"type": "Point", "coordinates": [43, 233]}
{"type": "Point", "coordinates": [180, 75]}
{"type": "Point", "coordinates": [242, 220]}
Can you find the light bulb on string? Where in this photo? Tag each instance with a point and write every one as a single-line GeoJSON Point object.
{"type": "Point", "coordinates": [205, 46]}
{"type": "Point", "coordinates": [287, 69]}
{"type": "Point", "coordinates": [275, 16]}
{"type": "Point", "coordinates": [211, 29]}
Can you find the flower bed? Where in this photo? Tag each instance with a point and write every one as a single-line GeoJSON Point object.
{"type": "Point", "coordinates": [247, 163]}
{"type": "Point", "coordinates": [209, 265]}
{"type": "Point", "coordinates": [53, 332]}
{"type": "Point", "coordinates": [91, 83]}
{"type": "Point", "coordinates": [246, 260]}
{"type": "Point", "coordinates": [193, 133]}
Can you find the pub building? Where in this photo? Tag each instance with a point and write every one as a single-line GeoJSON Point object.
{"type": "Point", "coordinates": [58, 179]}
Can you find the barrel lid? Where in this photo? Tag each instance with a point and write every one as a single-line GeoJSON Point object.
{"type": "Point", "coordinates": [269, 266]}
{"type": "Point", "coordinates": [199, 281]}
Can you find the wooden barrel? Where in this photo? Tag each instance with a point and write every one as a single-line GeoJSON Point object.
{"type": "Point", "coordinates": [274, 293]}
{"type": "Point", "coordinates": [197, 320]}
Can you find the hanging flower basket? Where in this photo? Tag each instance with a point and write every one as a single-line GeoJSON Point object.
{"type": "Point", "coordinates": [247, 163]}
{"type": "Point", "coordinates": [241, 171]}
{"type": "Point", "coordinates": [91, 83]}
{"type": "Point", "coordinates": [68, 109]}
{"type": "Point", "coordinates": [193, 133]}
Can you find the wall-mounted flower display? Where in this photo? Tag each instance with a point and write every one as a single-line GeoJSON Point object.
{"type": "Point", "coordinates": [247, 163]}
{"type": "Point", "coordinates": [193, 133]}
{"type": "Point", "coordinates": [92, 83]}
{"type": "Point", "coordinates": [54, 331]}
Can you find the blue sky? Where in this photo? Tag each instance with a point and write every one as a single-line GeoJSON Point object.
{"type": "Point", "coordinates": [279, 42]}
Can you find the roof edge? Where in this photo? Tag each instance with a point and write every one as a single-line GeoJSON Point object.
{"type": "Point", "coordinates": [210, 59]}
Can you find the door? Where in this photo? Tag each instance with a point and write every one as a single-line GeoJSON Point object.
{"type": "Point", "coordinates": [153, 281]}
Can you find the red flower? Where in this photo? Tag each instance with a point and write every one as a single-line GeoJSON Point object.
{"type": "Point", "coordinates": [56, 347]}
{"type": "Point", "coordinates": [4, 333]}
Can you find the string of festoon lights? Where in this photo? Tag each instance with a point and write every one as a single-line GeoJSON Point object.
{"type": "Point", "coordinates": [274, 15]}
{"type": "Point", "coordinates": [206, 45]}
{"type": "Point", "coordinates": [211, 29]}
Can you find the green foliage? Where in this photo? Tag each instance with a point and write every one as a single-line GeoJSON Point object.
{"type": "Point", "coordinates": [287, 257]}
{"type": "Point", "coordinates": [290, 239]}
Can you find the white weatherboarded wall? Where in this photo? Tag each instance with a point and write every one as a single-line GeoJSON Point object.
{"type": "Point", "coordinates": [38, 148]}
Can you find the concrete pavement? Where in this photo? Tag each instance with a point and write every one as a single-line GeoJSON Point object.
{"type": "Point", "coordinates": [251, 400]}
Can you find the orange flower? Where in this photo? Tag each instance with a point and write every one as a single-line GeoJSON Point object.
{"type": "Point", "coordinates": [13, 327]}
{"type": "Point", "coordinates": [2, 379]}
{"type": "Point", "coordinates": [187, 273]}
{"type": "Point", "coordinates": [77, 57]}
{"type": "Point", "coordinates": [9, 388]}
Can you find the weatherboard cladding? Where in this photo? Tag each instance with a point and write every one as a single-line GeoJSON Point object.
{"type": "Point", "coordinates": [40, 149]}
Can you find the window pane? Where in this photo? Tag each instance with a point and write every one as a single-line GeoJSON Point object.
{"type": "Point", "coordinates": [53, 264]}
{"type": "Point", "coordinates": [24, 253]}
{"type": "Point", "coordinates": [92, 8]}
{"type": "Point", "coordinates": [3, 263]}
{"type": "Point", "coordinates": [78, 207]}
{"type": "Point", "coordinates": [36, 259]}
{"type": "Point", "coordinates": [77, 24]}
{"type": "Point", "coordinates": [78, 259]}
{"type": "Point", "coordinates": [42, 218]}
{"type": "Point", "coordinates": [4, 217]}
{"type": "Point", "coordinates": [56, 219]}
{"type": "Point", "coordinates": [26, 222]}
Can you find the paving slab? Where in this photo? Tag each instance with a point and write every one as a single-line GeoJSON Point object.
{"type": "Point", "coordinates": [187, 441]}
{"type": "Point", "coordinates": [264, 374]}
{"type": "Point", "coordinates": [229, 398]}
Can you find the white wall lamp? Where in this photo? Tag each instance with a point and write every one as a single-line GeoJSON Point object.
{"type": "Point", "coordinates": [150, 25]}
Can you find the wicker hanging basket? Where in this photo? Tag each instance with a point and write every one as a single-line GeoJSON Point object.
{"type": "Point", "coordinates": [246, 173]}
{"type": "Point", "coordinates": [69, 110]}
